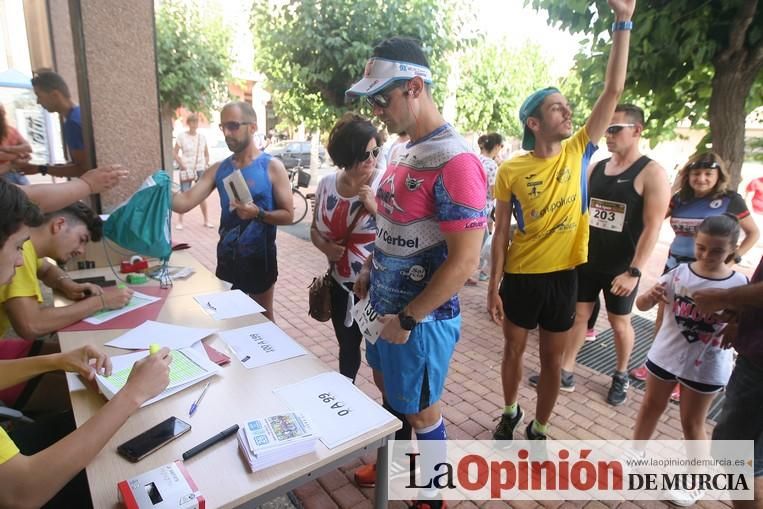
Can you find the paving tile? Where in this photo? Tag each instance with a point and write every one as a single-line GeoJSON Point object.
{"type": "Point", "coordinates": [473, 393]}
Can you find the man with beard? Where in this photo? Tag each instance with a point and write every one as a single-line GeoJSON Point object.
{"type": "Point", "coordinates": [246, 253]}
{"type": "Point", "coordinates": [62, 236]}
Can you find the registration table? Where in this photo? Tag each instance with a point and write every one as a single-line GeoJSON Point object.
{"type": "Point", "coordinates": [235, 396]}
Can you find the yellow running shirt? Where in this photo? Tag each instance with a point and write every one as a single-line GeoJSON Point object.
{"type": "Point", "coordinates": [23, 284]}
{"type": "Point", "coordinates": [7, 448]}
{"type": "Point", "coordinates": [550, 205]}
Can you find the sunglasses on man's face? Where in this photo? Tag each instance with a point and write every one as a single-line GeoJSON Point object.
{"type": "Point", "coordinates": [382, 99]}
{"type": "Point", "coordinates": [704, 165]}
{"type": "Point", "coordinates": [616, 128]}
{"type": "Point", "coordinates": [368, 153]}
{"type": "Point", "coordinates": [233, 126]}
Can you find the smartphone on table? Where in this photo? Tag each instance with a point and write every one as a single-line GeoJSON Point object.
{"type": "Point", "coordinates": [147, 442]}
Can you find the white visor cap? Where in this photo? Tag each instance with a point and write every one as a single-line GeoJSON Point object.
{"type": "Point", "coordinates": [380, 72]}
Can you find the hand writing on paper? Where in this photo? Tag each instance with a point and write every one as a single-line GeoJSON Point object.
{"type": "Point", "coordinates": [116, 298]}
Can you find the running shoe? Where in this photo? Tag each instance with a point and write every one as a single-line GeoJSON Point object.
{"type": "Point", "coordinates": [505, 428]}
{"type": "Point", "coordinates": [685, 498]}
{"type": "Point", "coordinates": [618, 391]}
{"type": "Point", "coordinates": [365, 476]}
{"type": "Point", "coordinates": [590, 335]}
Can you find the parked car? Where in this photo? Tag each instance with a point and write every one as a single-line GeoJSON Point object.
{"type": "Point", "coordinates": [294, 153]}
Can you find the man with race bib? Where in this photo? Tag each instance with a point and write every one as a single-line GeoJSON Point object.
{"type": "Point", "coordinates": [629, 198]}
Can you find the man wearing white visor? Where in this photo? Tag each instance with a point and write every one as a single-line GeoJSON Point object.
{"type": "Point", "coordinates": [430, 222]}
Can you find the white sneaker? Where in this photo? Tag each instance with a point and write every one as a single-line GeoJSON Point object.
{"type": "Point", "coordinates": [178, 226]}
{"type": "Point", "coordinates": [209, 225]}
{"type": "Point", "coordinates": [685, 498]}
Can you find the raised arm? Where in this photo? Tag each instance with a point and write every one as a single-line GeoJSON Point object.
{"type": "Point", "coordinates": [614, 79]}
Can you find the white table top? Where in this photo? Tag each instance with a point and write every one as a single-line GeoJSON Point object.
{"type": "Point", "coordinates": [236, 396]}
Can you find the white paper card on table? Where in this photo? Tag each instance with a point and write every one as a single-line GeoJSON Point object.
{"type": "Point", "coordinates": [261, 344]}
{"type": "Point", "coordinates": [138, 300]}
{"type": "Point", "coordinates": [186, 369]}
{"type": "Point", "coordinates": [339, 410]}
{"type": "Point", "coordinates": [236, 187]}
{"type": "Point", "coordinates": [173, 337]}
{"type": "Point", "coordinates": [367, 319]}
{"type": "Point", "coordinates": [229, 304]}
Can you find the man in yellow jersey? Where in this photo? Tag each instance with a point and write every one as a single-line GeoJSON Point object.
{"type": "Point", "coordinates": [533, 283]}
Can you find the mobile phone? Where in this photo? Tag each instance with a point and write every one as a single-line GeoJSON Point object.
{"type": "Point", "coordinates": [147, 442]}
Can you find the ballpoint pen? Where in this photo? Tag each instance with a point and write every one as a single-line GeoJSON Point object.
{"type": "Point", "coordinates": [196, 403]}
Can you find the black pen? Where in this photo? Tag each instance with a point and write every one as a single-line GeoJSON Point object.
{"type": "Point", "coordinates": [190, 453]}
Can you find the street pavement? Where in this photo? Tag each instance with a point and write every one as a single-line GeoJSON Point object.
{"type": "Point", "coordinates": [472, 399]}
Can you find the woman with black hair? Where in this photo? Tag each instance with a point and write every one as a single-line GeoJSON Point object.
{"type": "Point", "coordinates": [346, 200]}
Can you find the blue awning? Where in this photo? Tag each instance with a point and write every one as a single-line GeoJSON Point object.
{"type": "Point", "coordinates": [15, 79]}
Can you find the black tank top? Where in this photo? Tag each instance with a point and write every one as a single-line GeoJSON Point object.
{"type": "Point", "coordinates": [616, 217]}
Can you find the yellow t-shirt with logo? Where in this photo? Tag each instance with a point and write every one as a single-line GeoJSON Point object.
{"type": "Point", "coordinates": [550, 206]}
{"type": "Point", "coordinates": [7, 448]}
{"type": "Point", "coordinates": [23, 284]}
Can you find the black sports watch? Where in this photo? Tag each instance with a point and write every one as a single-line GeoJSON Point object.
{"type": "Point", "coordinates": [42, 169]}
{"type": "Point", "coordinates": [407, 322]}
{"type": "Point", "coordinates": [634, 272]}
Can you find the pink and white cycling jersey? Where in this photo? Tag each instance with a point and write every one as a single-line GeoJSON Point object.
{"type": "Point", "coordinates": [432, 187]}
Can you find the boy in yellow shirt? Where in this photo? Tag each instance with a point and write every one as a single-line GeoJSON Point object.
{"type": "Point", "coordinates": [533, 283]}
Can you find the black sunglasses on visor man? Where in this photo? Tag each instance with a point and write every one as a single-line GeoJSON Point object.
{"type": "Point", "coordinates": [704, 165]}
{"type": "Point", "coordinates": [382, 99]}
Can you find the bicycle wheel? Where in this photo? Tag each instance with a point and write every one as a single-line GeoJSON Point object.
{"type": "Point", "coordinates": [300, 205]}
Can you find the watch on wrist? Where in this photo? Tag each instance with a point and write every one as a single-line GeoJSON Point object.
{"type": "Point", "coordinates": [737, 258]}
{"type": "Point", "coordinates": [622, 25]}
{"type": "Point", "coordinates": [43, 169]}
{"type": "Point", "coordinates": [634, 272]}
{"type": "Point", "coordinates": [260, 214]}
{"type": "Point", "coordinates": [407, 322]}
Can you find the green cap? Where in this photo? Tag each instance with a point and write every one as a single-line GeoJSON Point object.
{"type": "Point", "coordinates": [526, 110]}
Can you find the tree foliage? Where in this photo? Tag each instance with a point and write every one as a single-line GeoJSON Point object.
{"type": "Point", "coordinates": [311, 51]}
{"type": "Point", "coordinates": [495, 79]}
{"type": "Point", "coordinates": [193, 56]}
{"type": "Point", "coordinates": [690, 60]}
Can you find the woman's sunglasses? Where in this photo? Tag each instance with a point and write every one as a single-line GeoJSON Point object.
{"type": "Point", "coordinates": [704, 165]}
{"type": "Point", "coordinates": [616, 128]}
{"type": "Point", "coordinates": [373, 152]}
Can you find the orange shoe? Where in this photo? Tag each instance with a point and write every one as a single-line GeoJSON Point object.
{"type": "Point", "coordinates": [365, 476]}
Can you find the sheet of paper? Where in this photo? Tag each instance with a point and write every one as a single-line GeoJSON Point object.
{"type": "Point", "coordinates": [230, 304]}
{"type": "Point", "coordinates": [186, 369]}
{"type": "Point", "coordinates": [138, 300]}
{"type": "Point", "coordinates": [173, 337]}
{"type": "Point", "coordinates": [75, 382]}
{"type": "Point", "coordinates": [367, 319]}
{"type": "Point", "coordinates": [262, 344]}
{"type": "Point", "coordinates": [338, 410]}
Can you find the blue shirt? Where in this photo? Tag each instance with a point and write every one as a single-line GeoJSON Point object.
{"type": "Point", "coordinates": [73, 130]}
{"type": "Point", "coordinates": [246, 253]}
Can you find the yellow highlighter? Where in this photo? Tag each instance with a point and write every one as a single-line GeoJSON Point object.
{"type": "Point", "coordinates": [154, 348]}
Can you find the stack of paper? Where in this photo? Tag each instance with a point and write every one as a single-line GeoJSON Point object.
{"type": "Point", "coordinates": [271, 440]}
{"type": "Point", "coordinates": [187, 368]}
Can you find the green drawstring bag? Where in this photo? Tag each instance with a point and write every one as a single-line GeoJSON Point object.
{"type": "Point", "coordinates": [142, 223]}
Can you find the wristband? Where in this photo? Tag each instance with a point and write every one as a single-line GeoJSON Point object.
{"type": "Point", "coordinates": [64, 276]}
{"type": "Point", "coordinates": [622, 25]}
{"type": "Point", "coordinates": [260, 214]}
{"type": "Point", "coordinates": [43, 169]}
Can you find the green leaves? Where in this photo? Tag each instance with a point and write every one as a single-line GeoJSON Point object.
{"type": "Point", "coordinates": [495, 79]}
{"type": "Point", "coordinates": [311, 51]}
{"type": "Point", "coordinates": [193, 57]}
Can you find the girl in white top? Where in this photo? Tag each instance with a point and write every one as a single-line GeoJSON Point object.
{"type": "Point", "coordinates": [338, 199]}
{"type": "Point", "coordinates": [690, 347]}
